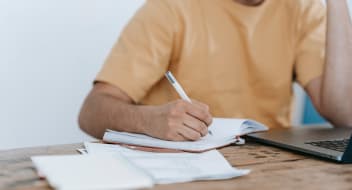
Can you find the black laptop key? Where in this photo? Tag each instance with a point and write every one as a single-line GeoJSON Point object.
{"type": "Point", "coordinates": [337, 145]}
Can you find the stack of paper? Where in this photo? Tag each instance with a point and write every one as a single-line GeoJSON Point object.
{"type": "Point", "coordinates": [106, 166]}
{"type": "Point", "coordinates": [109, 166]}
{"type": "Point", "coordinates": [174, 167]}
{"type": "Point", "coordinates": [223, 132]}
{"type": "Point", "coordinates": [88, 172]}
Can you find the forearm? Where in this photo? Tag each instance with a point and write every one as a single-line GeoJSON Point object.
{"type": "Point", "coordinates": [102, 111]}
{"type": "Point", "coordinates": [109, 107]}
{"type": "Point", "coordinates": [336, 89]}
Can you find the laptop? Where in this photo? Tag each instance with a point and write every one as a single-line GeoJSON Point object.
{"type": "Point", "coordinates": [325, 142]}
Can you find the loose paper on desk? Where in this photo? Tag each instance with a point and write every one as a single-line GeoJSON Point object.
{"type": "Point", "coordinates": [88, 172]}
{"type": "Point", "coordinates": [224, 132]}
{"type": "Point", "coordinates": [174, 167]}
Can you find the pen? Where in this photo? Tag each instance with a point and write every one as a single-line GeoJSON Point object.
{"type": "Point", "coordinates": [177, 86]}
{"type": "Point", "coordinates": [170, 77]}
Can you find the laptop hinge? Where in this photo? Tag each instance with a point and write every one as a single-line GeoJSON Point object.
{"type": "Point", "coordinates": [347, 155]}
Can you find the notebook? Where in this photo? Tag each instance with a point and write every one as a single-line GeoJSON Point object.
{"type": "Point", "coordinates": [166, 168]}
{"type": "Point", "coordinates": [88, 172]}
{"type": "Point", "coordinates": [224, 132]}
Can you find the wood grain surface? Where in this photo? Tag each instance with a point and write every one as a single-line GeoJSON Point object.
{"type": "Point", "coordinates": [272, 168]}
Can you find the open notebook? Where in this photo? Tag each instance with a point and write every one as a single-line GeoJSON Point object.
{"type": "Point", "coordinates": [224, 132]}
{"type": "Point", "coordinates": [166, 168]}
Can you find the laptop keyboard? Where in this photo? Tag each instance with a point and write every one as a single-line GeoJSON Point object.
{"type": "Point", "coordinates": [337, 145]}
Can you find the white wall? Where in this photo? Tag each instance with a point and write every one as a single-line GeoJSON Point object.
{"type": "Point", "coordinates": [50, 51]}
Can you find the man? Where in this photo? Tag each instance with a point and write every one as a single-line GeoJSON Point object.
{"type": "Point", "coordinates": [235, 58]}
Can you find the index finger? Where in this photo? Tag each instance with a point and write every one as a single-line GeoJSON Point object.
{"type": "Point", "coordinates": [199, 112]}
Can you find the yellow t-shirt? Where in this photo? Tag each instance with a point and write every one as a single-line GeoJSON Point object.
{"type": "Point", "coordinates": [239, 60]}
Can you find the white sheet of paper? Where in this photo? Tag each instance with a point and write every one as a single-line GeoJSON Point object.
{"type": "Point", "coordinates": [174, 167]}
{"type": "Point", "coordinates": [78, 172]}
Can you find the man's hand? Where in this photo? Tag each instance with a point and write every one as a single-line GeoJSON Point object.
{"type": "Point", "coordinates": [180, 121]}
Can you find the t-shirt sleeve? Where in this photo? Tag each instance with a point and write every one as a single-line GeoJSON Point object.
{"type": "Point", "coordinates": [141, 56]}
{"type": "Point", "coordinates": [310, 49]}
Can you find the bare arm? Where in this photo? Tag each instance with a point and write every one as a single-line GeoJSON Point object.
{"type": "Point", "coordinates": [108, 107]}
{"type": "Point", "coordinates": [331, 93]}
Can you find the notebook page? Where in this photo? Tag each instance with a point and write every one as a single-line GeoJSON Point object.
{"type": "Point", "coordinates": [174, 167]}
{"type": "Point", "coordinates": [85, 172]}
{"type": "Point", "coordinates": [250, 126]}
{"type": "Point", "coordinates": [143, 140]}
{"type": "Point", "coordinates": [222, 128]}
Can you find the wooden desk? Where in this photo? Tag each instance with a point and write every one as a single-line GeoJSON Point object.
{"type": "Point", "coordinates": [271, 169]}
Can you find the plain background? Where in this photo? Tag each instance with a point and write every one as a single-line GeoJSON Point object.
{"type": "Point", "coordinates": [50, 51]}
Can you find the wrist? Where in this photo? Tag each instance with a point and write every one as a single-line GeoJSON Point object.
{"type": "Point", "coordinates": [146, 116]}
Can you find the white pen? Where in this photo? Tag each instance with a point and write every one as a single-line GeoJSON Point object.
{"type": "Point", "coordinates": [170, 77]}
{"type": "Point", "coordinates": [177, 86]}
